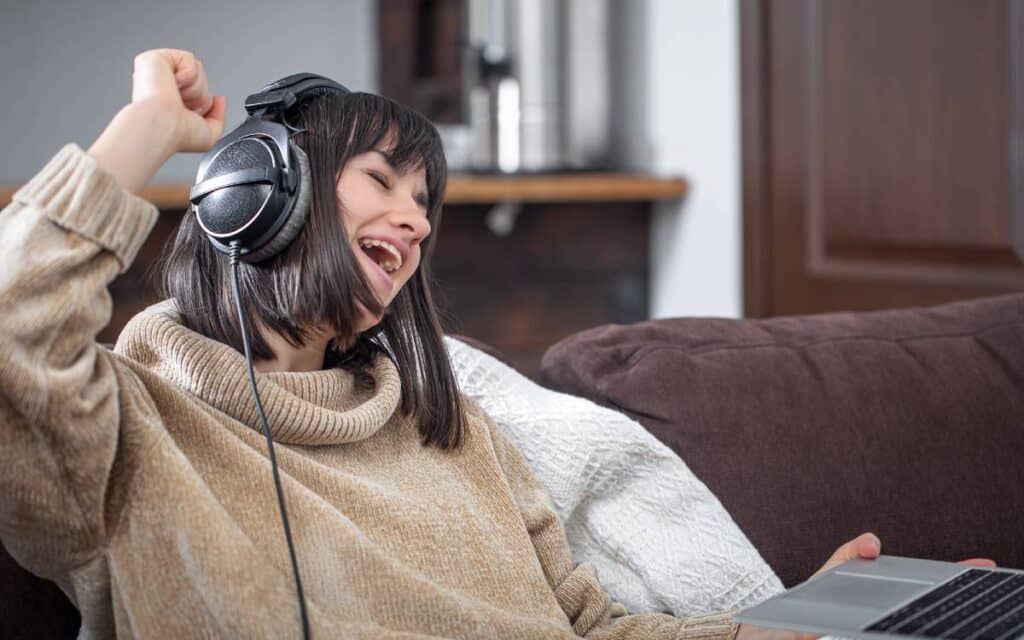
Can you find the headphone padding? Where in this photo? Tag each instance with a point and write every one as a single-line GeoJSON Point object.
{"type": "Point", "coordinates": [296, 219]}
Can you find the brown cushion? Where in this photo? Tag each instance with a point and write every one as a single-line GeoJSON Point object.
{"type": "Point", "coordinates": [814, 429]}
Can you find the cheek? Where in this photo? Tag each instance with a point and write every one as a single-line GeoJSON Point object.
{"type": "Point", "coordinates": [349, 224]}
{"type": "Point", "coordinates": [353, 205]}
{"type": "Point", "coordinates": [415, 257]}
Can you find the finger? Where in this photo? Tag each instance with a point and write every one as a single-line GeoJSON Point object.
{"type": "Point", "coordinates": [866, 545]}
{"type": "Point", "coordinates": [215, 117]}
{"type": "Point", "coordinates": [191, 79]}
{"type": "Point", "coordinates": [196, 95]}
{"type": "Point", "coordinates": [979, 562]}
{"type": "Point", "coordinates": [206, 105]}
{"type": "Point", "coordinates": [188, 72]}
{"type": "Point", "coordinates": [155, 73]}
{"type": "Point", "coordinates": [192, 83]}
{"type": "Point", "coordinates": [203, 131]}
{"type": "Point", "coordinates": [202, 104]}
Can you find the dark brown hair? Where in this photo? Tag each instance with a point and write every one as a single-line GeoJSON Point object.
{"type": "Point", "coordinates": [317, 280]}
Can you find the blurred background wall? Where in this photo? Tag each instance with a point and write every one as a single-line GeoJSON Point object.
{"type": "Point", "coordinates": [692, 122]}
{"type": "Point", "coordinates": [67, 67]}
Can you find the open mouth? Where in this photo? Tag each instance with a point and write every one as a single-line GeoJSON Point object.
{"type": "Point", "coordinates": [383, 253]}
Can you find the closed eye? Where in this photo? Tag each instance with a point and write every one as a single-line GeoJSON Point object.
{"type": "Point", "coordinates": [420, 198]}
{"type": "Point", "coordinates": [379, 178]}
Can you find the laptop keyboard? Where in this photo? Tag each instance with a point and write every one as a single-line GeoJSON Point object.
{"type": "Point", "coordinates": [976, 605]}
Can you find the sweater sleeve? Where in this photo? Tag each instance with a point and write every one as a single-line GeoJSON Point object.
{"type": "Point", "coordinates": [591, 611]}
{"type": "Point", "coordinates": [65, 235]}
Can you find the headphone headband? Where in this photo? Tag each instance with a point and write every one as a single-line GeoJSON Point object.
{"type": "Point", "coordinates": [281, 95]}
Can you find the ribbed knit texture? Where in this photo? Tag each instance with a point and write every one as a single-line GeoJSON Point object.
{"type": "Point", "coordinates": [138, 479]}
{"type": "Point", "coordinates": [314, 408]}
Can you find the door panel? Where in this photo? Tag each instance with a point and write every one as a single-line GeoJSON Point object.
{"type": "Point", "coordinates": [879, 152]}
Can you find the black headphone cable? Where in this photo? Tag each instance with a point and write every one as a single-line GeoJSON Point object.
{"type": "Point", "coordinates": [243, 322]}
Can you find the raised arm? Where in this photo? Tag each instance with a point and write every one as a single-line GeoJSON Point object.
{"type": "Point", "coordinates": [66, 234]}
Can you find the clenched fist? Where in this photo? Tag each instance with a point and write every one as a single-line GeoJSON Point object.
{"type": "Point", "coordinates": [174, 82]}
{"type": "Point", "coordinates": [171, 111]}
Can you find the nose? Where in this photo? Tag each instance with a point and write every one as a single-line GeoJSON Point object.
{"type": "Point", "coordinates": [410, 217]}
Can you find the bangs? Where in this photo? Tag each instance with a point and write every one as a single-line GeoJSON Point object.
{"type": "Point", "coordinates": [406, 139]}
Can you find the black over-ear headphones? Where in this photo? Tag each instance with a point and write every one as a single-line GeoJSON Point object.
{"type": "Point", "coordinates": [253, 186]}
{"type": "Point", "coordinates": [251, 197]}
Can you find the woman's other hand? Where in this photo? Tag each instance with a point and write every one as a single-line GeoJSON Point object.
{"type": "Point", "coordinates": [174, 82]}
{"type": "Point", "coordinates": [866, 545]}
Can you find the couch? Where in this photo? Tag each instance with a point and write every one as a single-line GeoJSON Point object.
{"type": "Point", "coordinates": [813, 429]}
{"type": "Point", "coordinates": [809, 429]}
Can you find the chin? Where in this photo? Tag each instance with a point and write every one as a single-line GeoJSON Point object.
{"type": "Point", "coordinates": [368, 322]}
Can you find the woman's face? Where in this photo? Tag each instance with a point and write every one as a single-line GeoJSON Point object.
{"type": "Point", "coordinates": [385, 216]}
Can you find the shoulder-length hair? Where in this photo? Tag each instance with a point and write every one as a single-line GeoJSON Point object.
{"type": "Point", "coordinates": [317, 280]}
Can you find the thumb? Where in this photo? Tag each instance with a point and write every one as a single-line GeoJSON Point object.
{"type": "Point", "coordinates": [202, 131]}
{"type": "Point", "coordinates": [215, 116]}
{"type": "Point", "coordinates": [866, 545]}
{"type": "Point", "coordinates": [979, 562]}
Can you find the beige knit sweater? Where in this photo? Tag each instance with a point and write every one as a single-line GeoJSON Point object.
{"type": "Point", "coordinates": [138, 479]}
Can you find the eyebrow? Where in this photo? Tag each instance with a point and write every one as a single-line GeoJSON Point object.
{"type": "Point", "coordinates": [420, 196]}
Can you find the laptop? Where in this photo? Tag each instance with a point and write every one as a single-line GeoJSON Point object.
{"type": "Point", "coordinates": [895, 597]}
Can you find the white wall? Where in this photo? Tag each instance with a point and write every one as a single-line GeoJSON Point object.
{"type": "Point", "coordinates": [693, 129]}
{"type": "Point", "coordinates": [66, 67]}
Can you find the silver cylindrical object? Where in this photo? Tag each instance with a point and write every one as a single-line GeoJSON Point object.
{"type": "Point", "coordinates": [587, 103]}
{"type": "Point", "coordinates": [538, 60]}
{"type": "Point", "coordinates": [555, 56]}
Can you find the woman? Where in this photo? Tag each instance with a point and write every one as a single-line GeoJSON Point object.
{"type": "Point", "coordinates": [138, 480]}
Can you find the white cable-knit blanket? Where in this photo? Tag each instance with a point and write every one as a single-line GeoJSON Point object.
{"type": "Point", "coordinates": [660, 540]}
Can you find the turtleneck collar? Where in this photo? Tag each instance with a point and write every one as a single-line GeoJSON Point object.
{"type": "Point", "coordinates": [332, 406]}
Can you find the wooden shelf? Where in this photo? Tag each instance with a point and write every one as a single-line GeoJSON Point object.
{"type": "Point", "coordinates": [477, 189]}
{"type": "Point", "coordinates": [573, 187]}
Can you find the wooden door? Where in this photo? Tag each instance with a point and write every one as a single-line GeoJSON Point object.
{"type": "Point", "coordinates": [882, 152]}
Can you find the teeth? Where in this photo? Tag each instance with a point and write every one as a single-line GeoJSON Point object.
{"type": "Point", "coordinates": [387, 265]}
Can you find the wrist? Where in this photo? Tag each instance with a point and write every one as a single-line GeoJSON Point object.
{"type": "Point", "coordinates": [159, 121]}
{"type": "Point", "coordinates": [135, 144]}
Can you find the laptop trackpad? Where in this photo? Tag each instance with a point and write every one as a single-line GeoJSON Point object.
{"type": "Point", "coordinates": [874, 593]}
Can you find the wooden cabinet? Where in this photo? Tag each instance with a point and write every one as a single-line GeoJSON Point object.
{"type": "Point", "coordinates": [564, 267]}
{"type": "Point", "coordinates": [419, 61]}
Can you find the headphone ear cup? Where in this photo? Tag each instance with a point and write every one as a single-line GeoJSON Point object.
{"type": "Point", "coordinates": [298, 216]}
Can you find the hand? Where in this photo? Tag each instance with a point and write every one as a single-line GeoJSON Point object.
{"type": "Point", "coordinates": [171, 111]}
{"type": "Point", "coordinates": [174, 83]}
{"type": "Point", "coordinates": [866, 545]}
